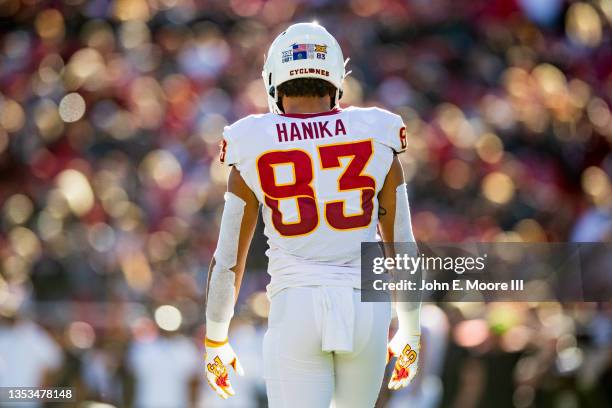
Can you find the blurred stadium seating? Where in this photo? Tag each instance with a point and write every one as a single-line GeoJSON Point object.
{"type": "Point", "coordinates": [111, 112]}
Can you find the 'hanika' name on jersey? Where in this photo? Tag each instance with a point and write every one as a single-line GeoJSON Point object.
{"type": "Point", "coordinates": [309, 130]}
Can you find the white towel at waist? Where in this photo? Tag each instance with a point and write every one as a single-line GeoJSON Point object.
{"type": "Point", "coordinates": [337, 317]}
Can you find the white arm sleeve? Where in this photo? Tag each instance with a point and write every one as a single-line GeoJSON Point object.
{"type": "Point", "coordinates": [402, 225]}
{"type": "Point", "coordinates": [408, 312]}
{"type": "Point", "coordinates": [221, 290]}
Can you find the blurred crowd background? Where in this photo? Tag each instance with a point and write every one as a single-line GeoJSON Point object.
{"type": "Point", "coordinates": [111, 113]}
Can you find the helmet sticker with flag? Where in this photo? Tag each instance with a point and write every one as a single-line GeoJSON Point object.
{"type": "Point", "coordinates": [304, 51]}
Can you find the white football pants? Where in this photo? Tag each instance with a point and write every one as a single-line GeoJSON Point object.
{"type": "Point", "coordinates": [305, 321]}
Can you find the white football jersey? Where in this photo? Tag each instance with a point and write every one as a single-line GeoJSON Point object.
{"type": "Point", "coordinates": [317, 177]}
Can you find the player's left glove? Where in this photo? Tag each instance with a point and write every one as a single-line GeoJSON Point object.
{"type": "Point", "coordinates": [220, 355]}
{"type": "Point", "coordinates": [407, 349]}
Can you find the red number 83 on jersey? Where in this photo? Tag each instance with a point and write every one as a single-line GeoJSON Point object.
{"type": "Point", "coordinates": [301, 190]}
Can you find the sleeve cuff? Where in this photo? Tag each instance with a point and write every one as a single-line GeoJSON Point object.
{"type": "Point", "coordinates": [217, 331]}
{"type": "Point", "coordinates": [409, 321]}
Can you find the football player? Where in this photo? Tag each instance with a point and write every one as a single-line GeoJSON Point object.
{"type": "Point", "coordinates": [327, 179]}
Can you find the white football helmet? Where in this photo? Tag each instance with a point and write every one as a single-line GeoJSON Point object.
{"type": "Point", "coordinates": [304, 50]}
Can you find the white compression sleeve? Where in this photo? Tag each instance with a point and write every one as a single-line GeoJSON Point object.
{"type": "Point", "coordinates": [221, 290]}
{"type": "Point", "coordinates": [402, 225]}
{"type": "Point", "coordinates": [408, 313]}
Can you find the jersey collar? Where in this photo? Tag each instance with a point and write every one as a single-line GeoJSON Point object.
{"type": "Point", "coordinates": [311, 115]}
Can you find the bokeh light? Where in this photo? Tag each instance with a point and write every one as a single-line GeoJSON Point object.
{"type": "Point", "coordinates": [72, 107]}
{"type": "Point", "coordinates": [24, 243]}
{"type": "Point", "coordinates": [583, 24]}
{"type": "Point", "coordinates": [471, 333]}
{"type": "Point", "coordinates": [81, 335]}
{"type": "Point", "coordinates": [490, 148]}
{"type": "Point", "coordinates": [596, 183]}
{"type": "Point", "coordinates": [168, 318]}
{"type": "Point", "coordinates": [76, 190]}
{"type": "Point", "coordinates": [50, 24]}
{"type": "Point", "coordinates": [161, 168]}
{"type": "Point", "coordinates": [18, 208]}
{"type": "Point", "coordinates": [12, 116]}
{"type": "Point", "coordinates": [498, 188]}
{"type": "Point", "coordinates": [456, 174]}
{"type": "Point", "coordinates": [136, 270]}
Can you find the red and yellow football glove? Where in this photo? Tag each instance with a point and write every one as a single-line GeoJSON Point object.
{"type": "Point", "coordinates": [407, 349]}
{"type": "Point", "coordinates": [220, 355]}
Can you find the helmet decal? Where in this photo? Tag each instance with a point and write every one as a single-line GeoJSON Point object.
{"type": "Point", "coordinates": [304, 51]}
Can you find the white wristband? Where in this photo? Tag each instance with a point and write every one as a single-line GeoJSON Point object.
{"type": "Point", "coordinates": [217, 331]}
{"type": "Point", "coordinates": [409, 321]}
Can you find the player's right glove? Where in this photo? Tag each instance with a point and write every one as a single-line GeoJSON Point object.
{"type": "Point", "coordinates": [407, 349]}
{"type": "Point", "coordinates": [220, 355]}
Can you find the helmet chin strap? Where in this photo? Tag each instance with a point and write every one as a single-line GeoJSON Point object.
{"type": "Point", "coordinates": [273, 100]}
{"type": "Point", "coordinates": [279, 105]}
{"type": "Point", "coordinates": [335, 104]}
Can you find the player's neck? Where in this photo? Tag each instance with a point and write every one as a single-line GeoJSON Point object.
{"type": "Point", "coordinates": [306, 104]}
